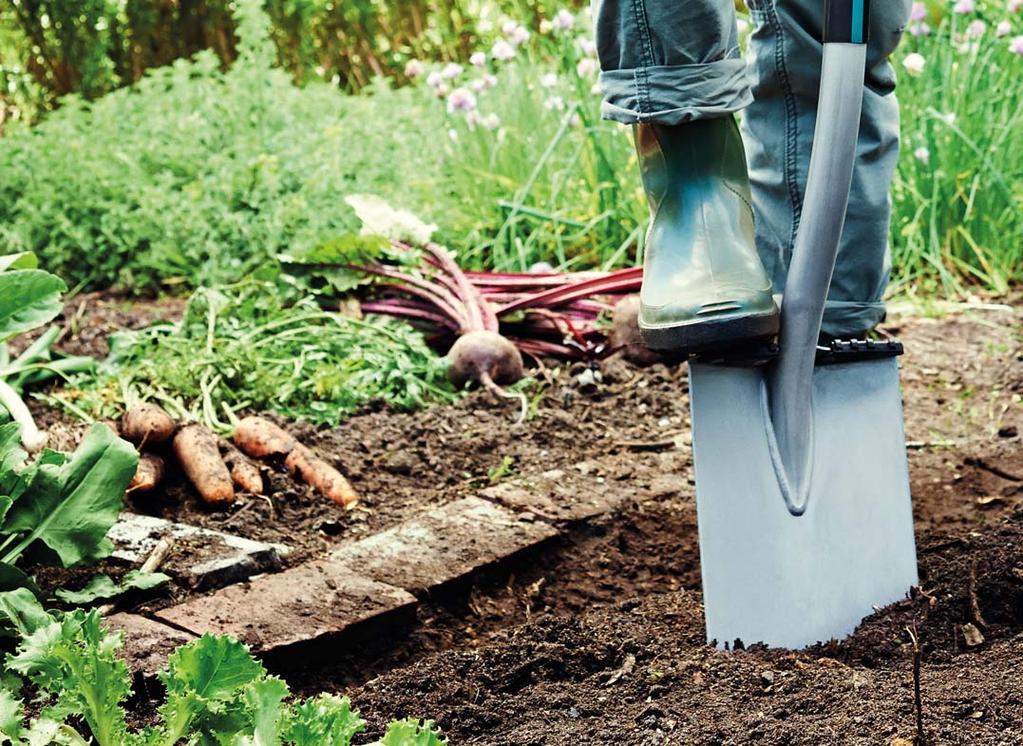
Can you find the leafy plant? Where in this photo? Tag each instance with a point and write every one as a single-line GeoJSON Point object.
{"type": "Point", "coordinates": [29, 298]}
{"type": "Point", "coordinates": [245, 347]}
{"type": "Point", "coordinates": [60, 506]}
{"type": "Point", "coordinates": [216, 693]}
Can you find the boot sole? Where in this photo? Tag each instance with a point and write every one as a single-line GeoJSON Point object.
{"type": "Point", "coordinates": [703, 334]}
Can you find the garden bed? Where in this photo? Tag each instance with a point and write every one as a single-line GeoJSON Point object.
{"type": "Point", "coordinates": [595, 636]}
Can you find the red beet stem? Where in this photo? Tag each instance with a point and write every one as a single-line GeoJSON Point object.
{"type": "Point", "coordinates": [625, 281]}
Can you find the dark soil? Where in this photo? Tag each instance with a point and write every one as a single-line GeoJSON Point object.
{"type": "Point", "coordinates": [598, 637]}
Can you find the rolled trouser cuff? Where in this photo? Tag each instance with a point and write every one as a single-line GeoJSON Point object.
{"type": "Point", "coordinates": [847, 318]}
{"type": "Point", "coordinates": [676, 94]}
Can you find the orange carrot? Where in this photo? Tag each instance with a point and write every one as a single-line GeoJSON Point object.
{"type": "Point", "coordinates": [260, 438]}
{"type": "Point", "coordinates": [147, 424]}
{"type": "Point", "coordinates": [321, 475]}
{"type": "Point", "coordinates": [244, 472]}
{"type": "Point", "coordinates": [148, 474]}
{"type": "Point", "coordinates": [196, 449]}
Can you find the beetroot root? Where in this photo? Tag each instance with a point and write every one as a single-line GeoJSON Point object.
{"type": "Point", "coordinates": [625, 333]}
{"type": "Point", "coordinates": [480, 355]}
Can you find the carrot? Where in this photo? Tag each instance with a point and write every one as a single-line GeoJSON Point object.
{"type": "Point", "coordinates": [244, 472]}
{"type": "Point", "coordinates": [147, 424]}
{"type": "Point", "coordinates": [258, 437]}
{"type": "Point", "coordinates": [148, 474]}
{"type": "Point", "coordinates": [321, 475]}
{"type": "Point", "coordinates": [196, 449]}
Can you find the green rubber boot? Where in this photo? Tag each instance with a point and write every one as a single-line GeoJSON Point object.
{"type": "Point", "coordinates": [704, 287]}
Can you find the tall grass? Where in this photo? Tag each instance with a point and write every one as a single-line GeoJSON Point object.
{"type": "Point", "coordinates": [958, 191]}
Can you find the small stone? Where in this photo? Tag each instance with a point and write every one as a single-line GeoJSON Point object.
{"type": "Point", "coordinates": [972, 635]}
{"type": "Point", "coordinates": [767, 678]}
{"type": "Point", "coordinates": [1009, 431]}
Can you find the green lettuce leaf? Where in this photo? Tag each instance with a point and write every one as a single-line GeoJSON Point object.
{"type": "Point", "coordinates": [326, 720]}
{"type": "Point", "coordinates": [411, 732]}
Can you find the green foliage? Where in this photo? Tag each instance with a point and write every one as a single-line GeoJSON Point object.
{"type": "Point", "coordinates": [245, 347]}
{"type": "Point", "coordinates": [104, 587]}
{"type": "Point", "coordinates": [958, 191]}
{"type": "Point", "coordinates": [216, 693]}
{"type": "Point", "coordinates": [60, 506]}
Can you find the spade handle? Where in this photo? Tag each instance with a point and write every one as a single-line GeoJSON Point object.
{"type": "Point", "coordinates": [790, 384]}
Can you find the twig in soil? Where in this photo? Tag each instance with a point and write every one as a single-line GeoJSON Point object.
{"type": "Point", "coordinates": [916, 445]}
{"type": "Point", "coordinates": [921, 735]}
{"type": "Point", "coordinates": [647, 445]}
{"type": "Point", "coordinates": [152, 563]}
{"type": "Point", "coordinates": [980, 463]}
{"type": "Point", "coordinates": [978, 618]}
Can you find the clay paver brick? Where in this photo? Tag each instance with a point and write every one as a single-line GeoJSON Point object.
{"type": "Point", "coordinates": [306, 603]}
{"type": "Point", "coordinates": [442, 545]}
{"type": "Point", "coordinates": [203, 559]}
{"type": "Point", "coordinates": [146, 643]}
{"type": "Point", "coordinates": [558, 496]}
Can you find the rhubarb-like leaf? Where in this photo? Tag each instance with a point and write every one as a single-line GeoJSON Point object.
{"type": "Point", "coordinates": [22, 260]}
{"type": "Point", "coordinates": [326, 720]}
{"type": "Point", "coordinates": [69, 507]}
{"type": "Point", "coordinates": [103, 586]}
{"type": "Point", "coordinates": [20, 608]}
{"type": "Point", "coordinates": [28, 298]}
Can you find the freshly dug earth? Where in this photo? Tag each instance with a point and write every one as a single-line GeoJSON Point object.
{"type": "Point", "coordinates": [598, 637]}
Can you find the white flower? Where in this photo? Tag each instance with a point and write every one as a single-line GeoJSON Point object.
{"type": "Point", "coordinates": [588, 46]}
{"type": "Point", "coordinates": [461, 99]}
{"type": "Point", "coordinates": [546, 26]}
{"type": "Point", "coordinates": [489, 81]}
{"type": "Point", "coordinates": [949, 118]}
{"type": "Point", "coordinates": [491, 121]}
{"type": "Point", "coordinates": [519, 36]}
{"type": "Point", "coordinates": [976, 29]}
{"type": "Point", "coordinates": [478, 59]}
{"type": "Point", "coordinates": [1016, 45]}
{"type": "Point", "coordinates": [968, 47]}
{"type": "Point", "coordinates": [380, 219]}
{"type": "Point", "coordinates": [1014, 6]}
{"type": "Point", "coordinates": [554, 103]}
{"type": "Point", "coordinates": [508, 28]}
{"type": "Point", "coordinates": [549, 80]}
{"type": "Point", "coordinates": [414, 68]}
{"type": "Point", "coordinates": [564, 20]}
{"type": "Point", "coordinates": [923, 155]}
{"type": "Point", "coordinates": [914, 63]}
{"type": "Point", "coordinates": [451, 71]}
{"type": "Point", "coordinates": [964, 6]}
{"type": "Point", "coordinates": [502, 50]}
{"type": "Point", "coordinates": [434, 80]}
{"type": "Point", "coordinates": [587, 66]}
{"type": "Point", "coordinates": [1004, 28]}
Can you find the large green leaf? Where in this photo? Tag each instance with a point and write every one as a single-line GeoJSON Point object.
{"type": "Point", "coordinates": [28, 298]}
{"type": "Point", "coordinates": [21, 609]}
{"type": "Point", "coordinates": [70, 507]}
{"type": "Point", "coordinates": [23, 260]}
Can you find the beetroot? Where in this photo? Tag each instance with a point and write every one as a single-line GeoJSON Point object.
{"type": "Point", "coordinates": [480, 355]}
{"type": "Point", "coordinates": [625, 333]}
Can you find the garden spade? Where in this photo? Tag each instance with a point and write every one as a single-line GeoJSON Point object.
{"type": "Point", "coordinates": [802, 487]}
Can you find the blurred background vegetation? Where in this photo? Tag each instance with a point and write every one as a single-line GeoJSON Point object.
{"type": "Point", "coordinates": [163, 145]}
{"type": "Point", "coordinates": [49, 48]}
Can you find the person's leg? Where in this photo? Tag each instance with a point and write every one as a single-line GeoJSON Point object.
{"type": "Point", "coordinates": [669, 61]}
{"type": "Point", "coordinates": [673, 70]}
{"type": "Point", "coordinates": [778, 126]}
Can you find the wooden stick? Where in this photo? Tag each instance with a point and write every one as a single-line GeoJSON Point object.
{"type": "Point", "coordinates": [153, 561]}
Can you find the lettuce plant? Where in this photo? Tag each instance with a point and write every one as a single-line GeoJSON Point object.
{"type": "Point", "coordinates": [216, 693]}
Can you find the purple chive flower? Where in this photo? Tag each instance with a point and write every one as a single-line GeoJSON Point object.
{"type": "Point", "coordinates": [502, 50]}
{"type": "Point", "coordinates": [519, 36]}
{"type": "Point", "coordinates": [461, 99]}
{"type": "Point", "coordinates": [491, 121]}
{"type": "Point", "coordinates": [923, 155]}
{"type": "Point", "coordinates": [588, 46]}
{"type": "Point", "coordinates": [508, 28]}
{"type": "Point", "coordinates": [587, 66]}
{"type": "Point", "coordinates": [549, 80]}
{"type": "Point", "coordinates": [414, 68]}
{"type": "Point", "coordinates": [964, 6]}
{"type": "Point", "coordinates": [478, 59]}
{"type": "Point", "coordinates": [976, 29]}
{"type": "Point", "coordinates": [918, 12]}
{"type": "Point", "coordinates": [1013, 6]}
{"type": "Point", "coordinates": [451, 71]}
{"type": "Point", "coordinates": [919, 29]}
{"type": "Point", "coordinates": [554, 103]}
{"type": "Point", "coordinates": [563, 21]}
{"type": "Point", "coordinates": [1004, 28]}
{"type": "Point", "coordinates": [1016, 45]}
{"type": "Point", "coordinates": [434, 80]}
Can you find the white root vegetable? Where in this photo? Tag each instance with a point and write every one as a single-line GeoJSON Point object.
{"type": "Point", "coordinates": [31, 436]}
